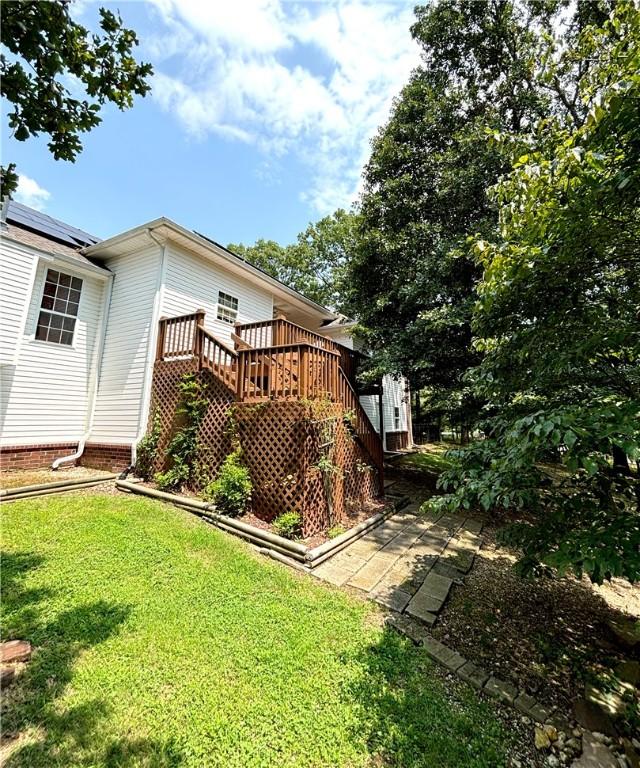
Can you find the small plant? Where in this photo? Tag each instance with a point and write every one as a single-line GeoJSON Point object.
{"type": "Point", "coordinates": [147, 451]}
{"type": "Point", "coordinates": [231, 490]}
{"type": "Point", "coordinates": [350, 416]}
{"type": "Point", "coordinates": [326, 466]}
{"type": "Point", "coordinates": [288, 524]}
{"type": "Point", "coordinates": [336, 530]}
{"type": "Point", "coordinates": [173, 478]}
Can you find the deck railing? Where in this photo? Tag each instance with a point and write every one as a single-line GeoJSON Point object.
{"type": "Point", "coordinates": [217, 357]}
{"type": "Point", "coordinates": [279, 332]}
{"type": "Point", "coordinates": [177, 335]}
{"type": "Point", "coordinates": [303, 365]}
{"type": "Point", "coordinates": [287, 371]}
{"type": "Point", "coordinates": [361, 423]}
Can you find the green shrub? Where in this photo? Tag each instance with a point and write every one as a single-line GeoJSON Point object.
{"type": "Point", "coordinates": [173, 478]}
{"type": "Point", "coordinates": [147, 451]}
{"type": "Point", "coordinates": [183, 448]}
{"type": "Point", "coordinates": [335, 531]}
{"type": "Point", "coordinates": [231, 490]}
{"type": "Point", "coordinates": [288, 524]}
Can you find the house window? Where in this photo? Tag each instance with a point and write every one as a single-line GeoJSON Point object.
{"type": "Point", "coordinates": [59, 308]}
{"type": "Point", "coordinates": [396, 419]}
{"type": "Point", "coordinates": [227, 308]}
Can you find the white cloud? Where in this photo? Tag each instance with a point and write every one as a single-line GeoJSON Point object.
{"type": "Point", "coordinates": [309, 80]}
{"type": "Point", "coordinates": [31, 193]}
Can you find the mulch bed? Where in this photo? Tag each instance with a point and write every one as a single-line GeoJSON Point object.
{"type": "Point", "coordinates": [355, 514]}
{"type": "Point", "coordinates": [548, 636]}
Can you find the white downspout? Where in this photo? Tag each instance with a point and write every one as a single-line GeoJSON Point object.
{"type": "Point", "coordinates": [151, 350]}
{"type": "Point", "coordinates": [408, 413]}
{"type": "Point", "coordinates": [91, 406]}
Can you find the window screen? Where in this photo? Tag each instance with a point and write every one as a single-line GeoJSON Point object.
{"type": "Point", "coordinates": [59, 308]}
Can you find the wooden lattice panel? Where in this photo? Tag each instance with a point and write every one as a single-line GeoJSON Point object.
{"type": "Point", "coordinates": [165, 397]}
{"type": "Point", "coordinates": [214, 439]}
{"type": "Point", "coordinates": [272, 438]}
{"type": "Point", "coordinates": [283, 443]}
{"type": "Point", "coordinates": [213, 436]}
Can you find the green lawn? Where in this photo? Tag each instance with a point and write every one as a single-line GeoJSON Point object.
{"type": "Point", "coordinates": [430, 458]}
{"type": "Point", "coordinates": [160, 641]}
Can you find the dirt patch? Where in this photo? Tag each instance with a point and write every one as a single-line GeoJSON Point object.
{"type": "Point", "coordinates": [549, 637]}
{"type": "Point", "coordinates": [18, 478]}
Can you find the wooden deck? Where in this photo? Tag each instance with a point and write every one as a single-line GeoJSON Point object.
{"type": "Point", "coordinates": [274, 360]}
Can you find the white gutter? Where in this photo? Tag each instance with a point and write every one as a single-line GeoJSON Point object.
{"type": "Point", "coordinates": [91, 406]}
{"type": "Point", "coordinates": [143, 415]}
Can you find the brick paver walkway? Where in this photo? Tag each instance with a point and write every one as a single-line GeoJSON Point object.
{"type": "Point", "coordinates": [409, 562]}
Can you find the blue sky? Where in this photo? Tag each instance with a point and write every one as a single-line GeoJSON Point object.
{"type": "Point", "coordinates": [259, 119]}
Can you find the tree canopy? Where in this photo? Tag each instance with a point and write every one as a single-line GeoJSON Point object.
{"type": "Point", "coordinates": [558, 322]}
{"type": "Point", "coordinates": [41, 46]}
{"type": "Point", "coordinates": [315, 264]}
{"type": "Point", "coordinates": [426, 185]}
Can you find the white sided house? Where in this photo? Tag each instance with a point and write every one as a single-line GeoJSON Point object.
{"type": "Point", "coordinates": [82, 322]}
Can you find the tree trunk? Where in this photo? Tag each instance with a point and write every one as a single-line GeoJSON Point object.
{"type": "Point", "coordinates": [620, 461]}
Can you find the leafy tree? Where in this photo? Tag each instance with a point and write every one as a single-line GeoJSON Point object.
{"type": "Point", "coordinates": [42, 45]}
{"type": "Point", "coordinates": [413, 279]}
{"type": "Point", "coordinates": [558, 322]}
{"type": "Point", "coordinates": [315, 264]}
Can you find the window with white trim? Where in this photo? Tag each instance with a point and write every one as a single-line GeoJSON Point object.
{"type": "Point", "coordinates": [396, 419]}
{"type": "Point", "coordinates": [59, 308]}
{"type": "Point", "coordinates": [227, 308]}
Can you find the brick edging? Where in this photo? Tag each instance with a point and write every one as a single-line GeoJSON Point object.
{"type": "Point", "coordinates": [469, 672]}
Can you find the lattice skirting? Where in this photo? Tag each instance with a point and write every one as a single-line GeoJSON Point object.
{"type": "Point", "coordinates": [397, 441]}
{"type": "Point", "coordinates": [302, 456]}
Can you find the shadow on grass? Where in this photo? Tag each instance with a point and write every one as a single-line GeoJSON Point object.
{"type": "Point", "coordinates": [38, 730]}
{"type": "Point", "coordinates": [412, 718]}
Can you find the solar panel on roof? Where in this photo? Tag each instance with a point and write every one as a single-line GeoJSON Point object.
{"type": "Point", "coordinates": [48, 226]}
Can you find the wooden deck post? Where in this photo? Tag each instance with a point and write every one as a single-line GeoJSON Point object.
{"type": "Point", "coordinates": [162, 330]}
{"type": "Point", "coordinates": [278, 331]}
{"type": "Point", "coordinates": [237, 331]}
{"type": "Point", "coordinates": [240, 377]}
{"type": "Point", "coordinates": [197, 336]}
{"type": "Point", "coordinates": [303, 374]}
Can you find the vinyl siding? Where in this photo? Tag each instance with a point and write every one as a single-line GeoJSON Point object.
{"type": "Point", "coordinates": [370, 405]}
{"type": "Point", "coordinates": [45, 389]}
{"type": "Point", "coordinates": [128, 334]}
{"type": "Point", "coordinates": [393, 394]}
{"type": "Point", "coordinates": [16, 272]}
{"type": "Point", "coordinates": [193, 283]}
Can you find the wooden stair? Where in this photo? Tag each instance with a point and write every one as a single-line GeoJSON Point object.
{"type": "Point", "coordinates": [303, 365]}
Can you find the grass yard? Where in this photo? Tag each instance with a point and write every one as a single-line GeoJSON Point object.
{"type": "Point", "coordinates": [429, 458]}
{"type": "Point", "coordinates": [159, 641]}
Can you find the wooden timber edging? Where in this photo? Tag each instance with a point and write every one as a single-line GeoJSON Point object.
{"type": "Point", "coordinates": [265, 540]}
{"type": "Point", "coordinates": [28, 491]}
